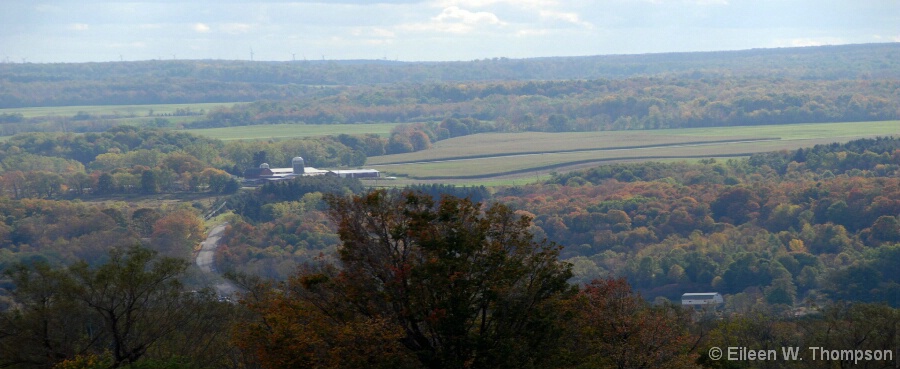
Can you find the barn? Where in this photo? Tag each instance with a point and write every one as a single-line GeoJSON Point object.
{"type": "Point", "coordinates": [298, 168]}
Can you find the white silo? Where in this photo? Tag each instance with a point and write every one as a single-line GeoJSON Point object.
{"type": "Point", "coordinates": [297, 164]}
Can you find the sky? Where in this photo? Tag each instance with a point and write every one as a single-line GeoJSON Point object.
{"type": "Point", "coordinates": [426, 30]}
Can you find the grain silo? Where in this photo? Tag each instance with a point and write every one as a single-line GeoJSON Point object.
{"type": "Point", "coordinates": [297, 164]}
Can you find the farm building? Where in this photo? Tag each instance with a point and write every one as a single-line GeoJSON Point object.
{"type": "Point", "coordinates": [298, 168]}
{"type": "Point", "coordinates": [701, 299]}
{"type": "Point", "coordinates": [356, 173]}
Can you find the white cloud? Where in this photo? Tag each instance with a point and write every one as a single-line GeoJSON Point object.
{"type": "Point", "coordinates": [80, 27]}
{"type": "Point", "coordinates": [456, 20]}
{"type": "Point", "coordinates": [201, 28]}
{"type": "Point", "coordinates": [455, 14]}
{"type": "Point", "coordinates": [569, 17]}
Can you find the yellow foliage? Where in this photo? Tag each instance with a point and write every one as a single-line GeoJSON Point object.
{"type": "Point", "coordinates": [797, 246]}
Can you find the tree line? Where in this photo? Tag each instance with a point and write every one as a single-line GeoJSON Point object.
{"type": "Point", "coordinates": [131, 160]}
{"type": "Point", "coordinates": [586, 105]}
{"type": "Point", "coordinates": [195, 81]}
{"type": "Point", "coordinates": [544, 106]}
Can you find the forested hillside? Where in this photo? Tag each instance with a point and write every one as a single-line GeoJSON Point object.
{"type": "Point", "coordinates": [169, 81]}
{"type": "Point", "coordinates": [593, 105]}
{"type": "Point", "coordinates": [756, 87]}
{"type": "Point", "coordinates": [789, 237]}
{"type": "Point", "coordinates": [782, 228]}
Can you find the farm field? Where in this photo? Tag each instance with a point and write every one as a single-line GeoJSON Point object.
{"type": "Point", "coordinates": [501, 157]}
{"type": "Point", "coordinates": [122, 110]}
{"type": "Point", "coordinates": [283, 131]}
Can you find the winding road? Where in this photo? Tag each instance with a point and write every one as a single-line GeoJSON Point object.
{"type": "Point", "coordinates": [205, 261]}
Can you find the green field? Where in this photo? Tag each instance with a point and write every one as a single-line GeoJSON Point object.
{"type": "Point", "coordinates": [486, 158]}
{"type": "Point", "coordinates": [282, 131]}
{"type": "Point", "coordinates": [138, 115]}
{"type": "Point", "coordinates": [120, 110]}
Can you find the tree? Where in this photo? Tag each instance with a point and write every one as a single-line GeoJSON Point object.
{"type": "Point", "coordinates": [467, 286]}
{"type": "Point", "coordinates": [106, 184]}
{"type": "Point", "coordinates": [121, 310]}
{"type": "Point", "coordinates": [14, 181]}
{"type": "Point", "coordinates": [177, 233]}
{"type": "Point", "coordinates": [419, 140]}
{"type": "Point", "coordinates": [613, 327]}
{"type": "Point", "coordinates": [291, 332]}
{"type": "Point", "coordinates": [47, 324]}
{"type": "Point", "coordinates": [44, 183]}
{"type": "Point", "coordinates": [137, 297]}
{"type": "Point", "coordinates": [399, 143]}
{"type": "Point", "coordinates": [216, 179]}
{"type": "Point", "coordinates": [80, 181]}
{"type": "Point", "coordinates": [149, 182]}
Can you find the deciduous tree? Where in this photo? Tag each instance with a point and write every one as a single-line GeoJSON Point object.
{"type": "Point", "coordinates": [467, 285]}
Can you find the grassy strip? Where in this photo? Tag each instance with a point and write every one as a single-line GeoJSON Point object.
{"type": "Point", "coordinates": [99, 110]}
{"type": "Point", "coordinates": [612, 148]}
{"type": "Point", "coordinates": [284, 131]}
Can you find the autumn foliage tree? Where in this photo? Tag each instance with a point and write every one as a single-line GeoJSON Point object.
{"type": "Point", "coordinates": [129, 309]}
{"type": "Point", "coordinates": [178, 232]}
{"type": "Point", "coordinates": [464, 286]}
{"type": "Point", "coordinates": [613, 327]}
{"type": "Point", "coordinates": [288, 330]}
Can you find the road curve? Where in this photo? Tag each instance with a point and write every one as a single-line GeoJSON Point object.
{"type": "Point", "coordinates": [205, 261]}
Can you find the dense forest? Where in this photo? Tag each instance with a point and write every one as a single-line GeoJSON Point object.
{"type": "Point", "coordinates": [418, 283]}
{"type": "Point", "coordinates": [188, 81]}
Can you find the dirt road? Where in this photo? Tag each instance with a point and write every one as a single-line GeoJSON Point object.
{"type": "Point", "coordinates": [205, 260]}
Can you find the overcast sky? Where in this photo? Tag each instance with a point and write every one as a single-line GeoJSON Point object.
{"type": "Point", "coordinates": [426, 30]}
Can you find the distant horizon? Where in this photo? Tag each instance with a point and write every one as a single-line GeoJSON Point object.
{"type": "Point", "coordinates": [57, 31]}
{"type": "Point", "coordinates": [388, 61]}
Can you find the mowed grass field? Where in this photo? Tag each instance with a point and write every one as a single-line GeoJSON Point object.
{"type": "Point", "coordinates": [509, 156]}
{"type": "Point", "coordinates": [138, 115]}
{"type": "Point", "coordinates": [283, 131]}
{"type": "Point", "coordinates": [123, 110]}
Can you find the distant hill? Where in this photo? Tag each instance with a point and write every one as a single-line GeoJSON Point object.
{"type": "Point", "coordinates": [194, 81]}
